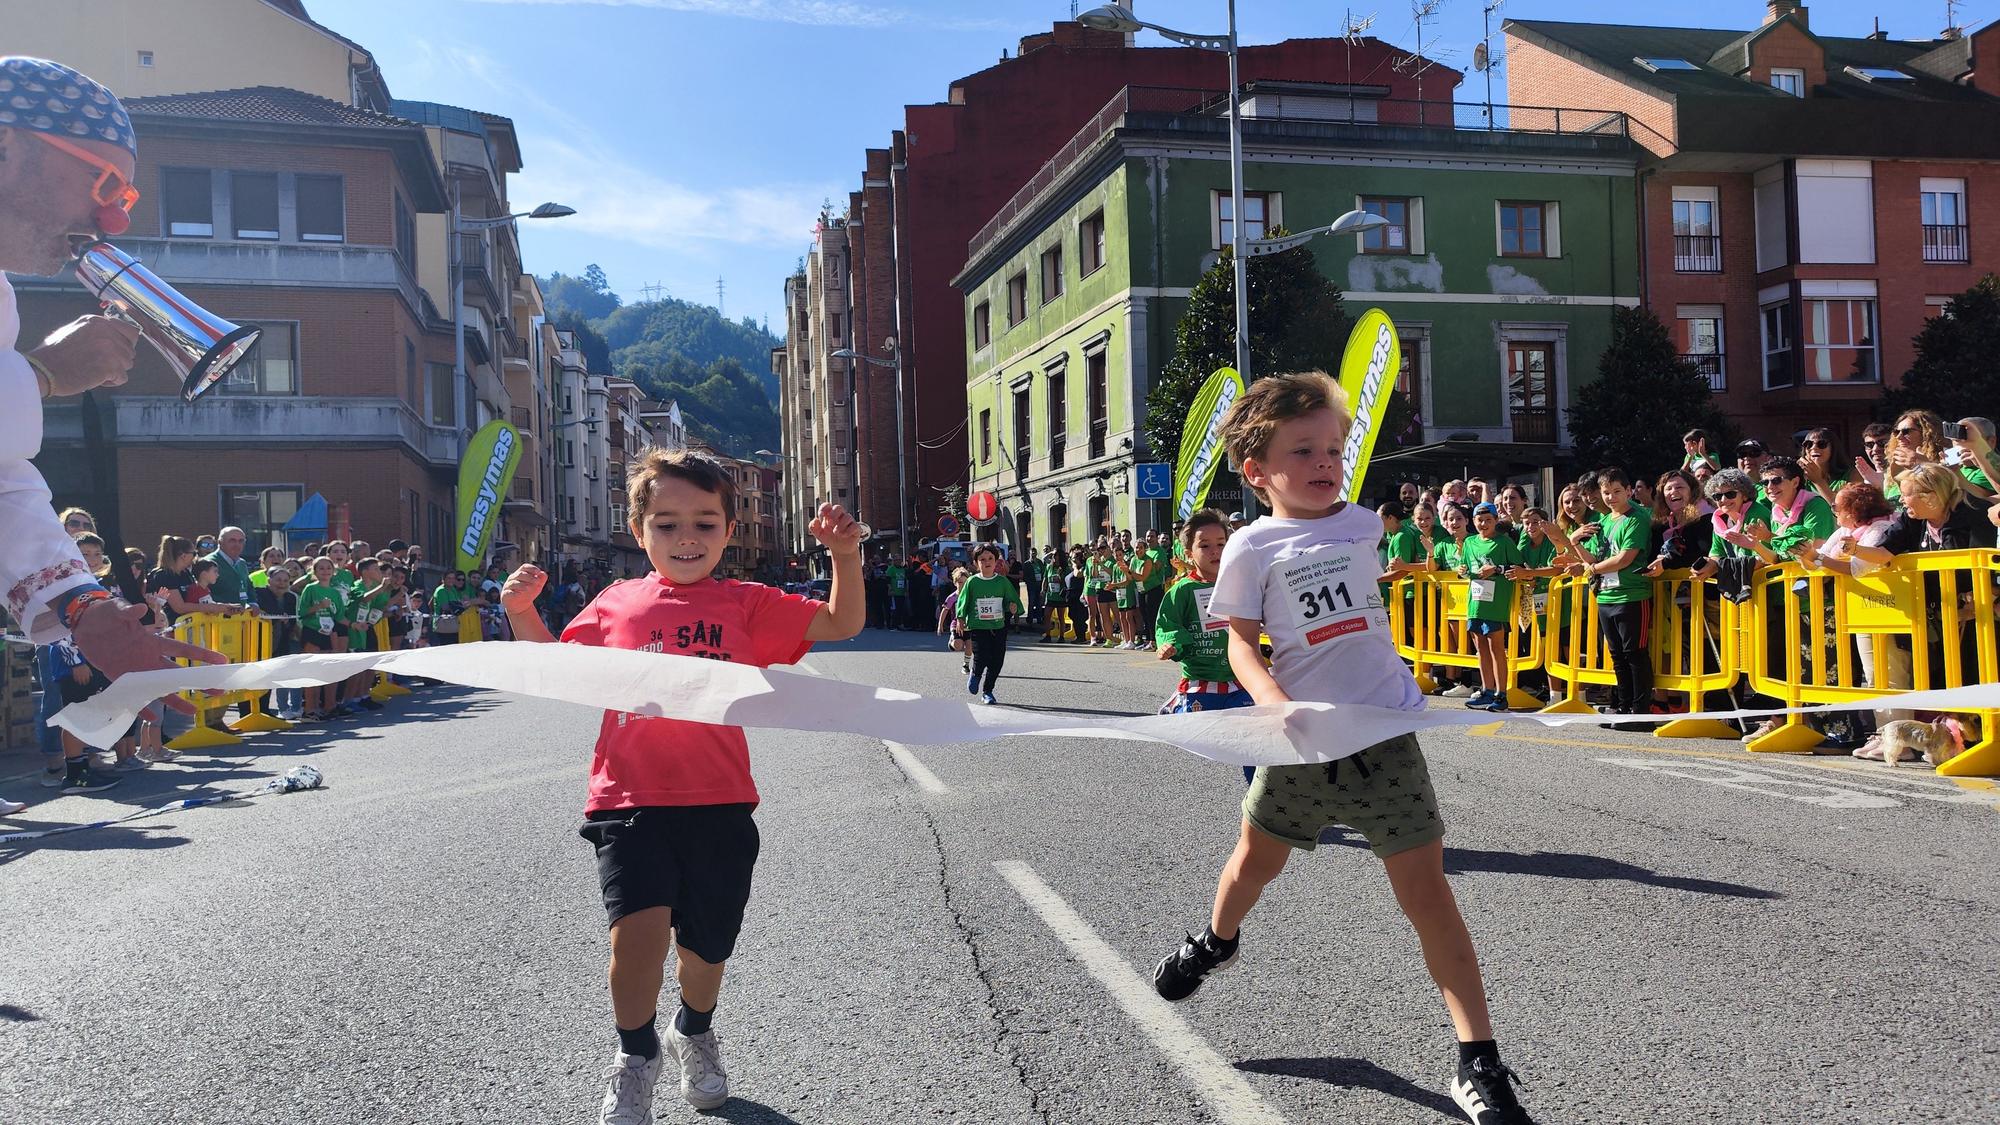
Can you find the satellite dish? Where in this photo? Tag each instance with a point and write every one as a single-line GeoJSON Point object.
{"type": "Point", "coordinates": [1480, 60]}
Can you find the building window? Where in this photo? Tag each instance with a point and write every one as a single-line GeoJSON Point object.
{"type": "Point", "coordinates": [1944, 221]}
{"type": "Point", "coordinates": [1697, 231]}
{"type": "Point", "coordinates": [322, 207]}
{"type": "Point", "coordinates": [271, 367]}
{"type": "Point", "coordinates": [187, 202]}
{"type": "Point", "coordinates": [1058, 417]}
{"type": "Point", "coordinates": [1098, 389]}
{"type": "Point", "coordinates": [986, 437]}
{"type": "Point", "coordinates": [1258, 220]}
{"type": "Point", "coordinates": [1410, 372]}
{"type": "Point", "coordinates": [1840, 340]}
{"type": "Point", "coordinates": [1524, 230]}
{"type": "Point", "coordinates": [1777, 329]}
{"type": "Point", "coordinates": [1090, 245]}
{"type": "Point", "coordinates": [406, 235]}
{"type": "Point", "coordinates": [444, 400]}
{"type": "Point", "coordinates": [833, 325]}
{"type": "Point", "coordinates": [1700, 336]}
{"type": "Point", "coordinates": [1023, 420]}
{"type": "Point", "coordinates": [1791, 82]}
{"type": "Point", "coordinates": [253, 204]}
{"type": "Point", "coordinates": [1531, 391]}
{"type": "Point", "coordinates": [1052, 273]}
{"type": "Point", "coordinates": [1394, 238]}
{"type": "Point", "coordinates": [982, 324]}
{"type": "Point", "coordinates": [146, 59]}
{"type": "Point", "coordinates": [262, 511]}
{"type": "Point", "coordinates": [1017, 298]}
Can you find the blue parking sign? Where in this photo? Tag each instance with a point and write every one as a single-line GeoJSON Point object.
{"type": "Point", "coordinates": [1156, 481]}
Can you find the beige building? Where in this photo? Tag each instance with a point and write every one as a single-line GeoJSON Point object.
{"type": "Point", "coordinates": [816, 393]}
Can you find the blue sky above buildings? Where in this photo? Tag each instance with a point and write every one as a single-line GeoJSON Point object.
{"type": "Point", "coordinates": [697, 138]}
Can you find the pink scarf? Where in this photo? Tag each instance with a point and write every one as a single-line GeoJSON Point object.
{"type": "Point", "coordinates": [1782, 518]}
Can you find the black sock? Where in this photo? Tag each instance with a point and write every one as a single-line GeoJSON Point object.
{"type": "Point", "coordinates": [73, 768]}
{"type": "Point", "coordinates": [690, 1022]}
{"type": "Point", "coordinates": [1477, 1049]}
{"type": "Point", "coordinates": [1220, 944]}
{"type": "Point", "coordinates": [643, 1041]}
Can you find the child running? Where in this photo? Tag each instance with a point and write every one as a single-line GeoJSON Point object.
{"type": "Point", "coordinates": [1189, 636]}
{"type": "Point", "coordinates": [1306, 574]}
{"type": "Point", "coordinates": [1489, 605]}
{"type": "Point", "coordinates": [983, 609]}
{"type": "Point", "coordinates": [670, 801]}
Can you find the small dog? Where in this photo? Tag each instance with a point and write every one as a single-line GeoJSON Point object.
{"type": "Point", "coordinates": [1934, 742]}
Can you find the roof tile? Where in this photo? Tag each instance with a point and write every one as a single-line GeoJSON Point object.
{"type": "Point", "coordinates": [264, 104]}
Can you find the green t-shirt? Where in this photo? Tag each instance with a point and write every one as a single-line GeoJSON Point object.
{"type": "Point", "coordinates": [322, 609]}
{"type": "Point", "coordinates": [363, 617]}
{"type": "Point", "coordinates": [1632, 531]}
{"type": "Point", "coordinates": [983, 602]}
{"type": "Point", "coordinates": [345, 579]}
{"type": "Point", "coordinates": [1128, 594]}
{"type": "Point", "coordinates": [1445, 555]}
{"type": "Point", "coordinates": [1759, 512]}
{"type": "Point", "coordinates": [1973, 475]}
{"type": "Point", "coordinates": [1405, 545]}
{"type": "Point", "coordinates": [1201, 651]}
{"type": "Point", "coordinates": [447, 602]}
{"type": "Point", "coordinates": [1163, 567]}
{"type": "Point", "coordinates": [899, 581]}
{"type": "Point", "coordinates": [1815, 522]}
{"type": "Point", "coordinates": [1537, 556]}
{"type": "Point", "coordinates": [1498, 602]}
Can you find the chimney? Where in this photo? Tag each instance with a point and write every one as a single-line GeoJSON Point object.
{"type": "Point", "coordinates": [1777, 9]}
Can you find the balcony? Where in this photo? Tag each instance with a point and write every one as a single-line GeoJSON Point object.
{"type": "Point", "coordinates": [1100, 430]}
{"type": "Point", "coordinates": [1535, 426]}
{"type": "Point", "coordinates": [1944, 243]}
{"type": "Point", "coordinates": [1697, 253]}
{"type": "Point", "coordinates": [524, 490]}
{"type": "Point", "coordinates": [1710, 365]}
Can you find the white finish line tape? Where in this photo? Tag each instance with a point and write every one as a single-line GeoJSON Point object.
{"type": "Point", "coordinates": [691, 689]}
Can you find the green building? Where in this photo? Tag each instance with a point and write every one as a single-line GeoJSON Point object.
{"type": "Point", "coordinates": [1507, 250]}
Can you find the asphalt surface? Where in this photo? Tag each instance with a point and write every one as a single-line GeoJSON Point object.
{"type": "Point", "coordinates": [1671, 931]}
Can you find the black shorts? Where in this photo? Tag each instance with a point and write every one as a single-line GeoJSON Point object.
{"type": "Point", "coordinates": [1106, 597]}
{"type": "Point", "coordinates": [693, 859]}
{"type": "Point", "coordinates": [309, 641]}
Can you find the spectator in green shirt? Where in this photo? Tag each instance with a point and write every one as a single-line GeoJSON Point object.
{"type": "Point", "coordinates": [899, 594]}
{"type": "Point", "coordinates": [1821, 464]}
{"type": "Point", "coordinates": [1487, 558]}
{"type": "Point", "coordinates": [1796, 516]}
{"type": "Point", "coordinates": [447, 601]}
{"type": "Point", "coordinates": [1192, 638]}
{"type": "Point", "coordinates": [1972, 448]}
{"type": "Point", "coordinates": [232, 579]}
{"type": "Point", "coordinates": [1622, 591]}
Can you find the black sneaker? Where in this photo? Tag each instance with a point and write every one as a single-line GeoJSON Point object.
{"type": "Point", "coordinates": [1180, 972]}
{"type": "Point", "coordinates": [1484, 1089]}
{"type": "Point", "coordinates": [82, 782]}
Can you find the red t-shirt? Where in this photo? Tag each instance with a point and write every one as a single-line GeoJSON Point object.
{"type": "Point", "coordinates": [655, 761]}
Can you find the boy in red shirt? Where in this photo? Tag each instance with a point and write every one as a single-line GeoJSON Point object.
{"type": "Point", "coordinates": [670, 801]}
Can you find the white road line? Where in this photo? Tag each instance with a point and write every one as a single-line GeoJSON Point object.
{"type": "Point", "coordinates": [1858, 777]}
{"type": "Point", "coordinates": [1232, 1098]}
{"type": "Point", "coordinates": [809, 669]}
{"type": "Point", "coordinates": [1766, 784]}
{"type": "Point", "coordinates": [919, 774]}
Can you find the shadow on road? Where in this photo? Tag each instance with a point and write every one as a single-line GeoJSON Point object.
{"type": "Point", "coordinates": [1571, 865]}
{"type": "Point", "coordinates": [109, 838]}
{"type": "Point", "coordinates": [1355, 1074]}
{"type": "Point", "coordinates": [743, 1111]}
{"type": "Point", "coordinates": [14, 1013]}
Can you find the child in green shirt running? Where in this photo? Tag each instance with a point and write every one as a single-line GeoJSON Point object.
{"type": "Point", "coordinates": [984, 605]}
{"type": "Point", "coordinates": [1486, 559]}
{"type": "Point", "coordinates": [1192, 638]}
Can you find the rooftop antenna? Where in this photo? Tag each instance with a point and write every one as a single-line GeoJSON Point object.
{"type": "Point", "coordinates": [1351, 35]}
{"type": "Point", "coordinates": [1482, 59]}
{"type": "Point", "coordinates": [1422, 10]}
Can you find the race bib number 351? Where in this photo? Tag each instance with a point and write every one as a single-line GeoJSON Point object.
{"type": "Point", "coordinates": [1329, 593]}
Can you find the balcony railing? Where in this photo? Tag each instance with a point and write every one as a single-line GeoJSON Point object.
{"type": "Point", "coordinates": [1536, 426]}
{"type": "Point", "coordinates": [1697, 253]}
{"type": "Point", "coordinates": [1100, 430]}
{"type": "Point", "coordinates": [522, 419]}
{"type": "Point", "coordinates": [1057, 443]}
{"type": "Point", "coordinates": [1946, 243]}
{"type": "Point", "coordinates": [1710, 365]}
{"type": "Point", "coordinates": [524, 489]}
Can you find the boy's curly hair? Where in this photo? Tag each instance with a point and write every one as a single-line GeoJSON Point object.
{"type": "Point", "coordinates": [1271, 402]}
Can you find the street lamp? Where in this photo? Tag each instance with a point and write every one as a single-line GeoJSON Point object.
{"type": "Point", "coordinates": [1354, 222]}
{"type": "Point", "coordinates": [895, 363]}
{"type": "Point", "coordinates": [459, 226]}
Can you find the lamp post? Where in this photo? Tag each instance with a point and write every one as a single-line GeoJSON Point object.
{"type": "Point", "coordinates": [462, 226]}
{"type": "Point", "coordinates": [895, 363]}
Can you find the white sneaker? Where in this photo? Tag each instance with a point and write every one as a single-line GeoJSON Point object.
{"type": "Point", "coordinates": [704, 1083]}
{"type": "Point", "coordinates": [9, 808]}
{"type": "Point", "coordinates": [628, 1100]}
{"type": "Point", "coordinates": [1462, 691]}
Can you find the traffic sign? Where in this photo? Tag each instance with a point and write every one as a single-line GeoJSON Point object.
{"type": "Point", "coordinates": [1156, 480]}
{"type": "Point", "coordinates": [947, 526]}
{"type": "Point", "coordinates": [982, 507]}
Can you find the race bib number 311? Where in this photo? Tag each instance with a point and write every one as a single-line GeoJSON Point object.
{"type": "Point", "coordinates": [1330, 594]}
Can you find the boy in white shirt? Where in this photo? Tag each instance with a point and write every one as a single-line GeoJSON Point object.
{"type": "Point", "coordinates": [1308, 576]}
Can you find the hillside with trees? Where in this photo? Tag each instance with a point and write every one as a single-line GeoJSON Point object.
{"type": "Point", "coordinates": [718, 370]}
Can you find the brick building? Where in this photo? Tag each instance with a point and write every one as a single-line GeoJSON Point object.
{"type": "Point", "coordinates": [1809, 199]}
{"type": "Point", "coordinates": [905, 234]}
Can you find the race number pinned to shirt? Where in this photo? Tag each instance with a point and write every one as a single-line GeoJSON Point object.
{"type": "Point", "coordinates": [1326, 592]}
{"type": "Point", "coordinates": [1209, 622]}
{"type": "Point", "coordinates": [1609, 580]}
{"type": "Point", "coordinates": [986, 609]}
{"type": "Point", "coordinates": [1483, 589]}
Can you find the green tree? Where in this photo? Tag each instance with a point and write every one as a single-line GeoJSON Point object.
{"type": "Point", "coordinates": [589, 297]}
{"type": "Point", "coordinates": [1297, 323]}
{"type": "Point", "coordinates": [596, 353]}
{"type": "Point", "coordinates": [1957, 369]}
{"type": "Point", "coordinates": [724, 405]}
{"type": "Point", "coordinates": [1644, 398]}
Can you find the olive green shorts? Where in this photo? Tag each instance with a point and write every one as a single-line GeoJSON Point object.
{"type": "Point", "coordinates": [1383, 792]}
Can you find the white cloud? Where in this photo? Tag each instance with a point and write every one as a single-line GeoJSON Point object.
{"type": "Point", "coordinates": [814, 13]}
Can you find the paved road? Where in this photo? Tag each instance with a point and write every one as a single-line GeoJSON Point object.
{"type": "Point", "coordinates": [1671, 932]}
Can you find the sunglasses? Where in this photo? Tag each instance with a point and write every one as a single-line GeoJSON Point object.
{"type": "Point", "coordinates": [1871, 443]}
{"type": "Point", "coordinates": [112, 189]}
{"type": "Point", "coordinates": [1906, 431]}
{"type": "Point", "coordinates": [1772, 482]}
{"type": "Point", "coordinates": [1729, 494]}
{"type": "Point", "coordinates": [1811, 443]}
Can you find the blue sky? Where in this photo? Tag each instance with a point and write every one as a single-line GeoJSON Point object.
{"type": "Point", "coordinates": [697, 138]}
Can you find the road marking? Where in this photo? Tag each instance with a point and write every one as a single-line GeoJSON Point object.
{"type": "Point", "coordinates": [1762, 783]}
{"type": "Point", "coordinates": [919, 775]}
{"type": "Point", "coordinates": [809, 669]}
{"type": "Point", "coordinates": [1234, 1101]}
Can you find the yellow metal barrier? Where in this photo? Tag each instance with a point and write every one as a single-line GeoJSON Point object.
{"type": "Point", "coordinates": [1429, 629]}
{"type": "Point", "coordinates": [1938, 607]}
{"type": "Point", "coordinates": [385, 689]}
{"type": "Point", "coordinates": [470, 631]}
{"type": "Point", "coordinates": [1694, 644]}
{"type": "Point", "coordinates": [243, 638]}
{"type": "Point", "coordinates": [1574, 651]}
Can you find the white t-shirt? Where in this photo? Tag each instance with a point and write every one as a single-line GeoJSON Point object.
{"type": "Point", "coordinates": [1314, 585]}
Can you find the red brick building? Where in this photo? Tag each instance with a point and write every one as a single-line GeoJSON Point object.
{"type": "Point", "coordinates": [1810, 201]}
{"type": "Point", "coordinates": [297, 214]}
{"type": "Point", "coordinates": [951, 167]}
